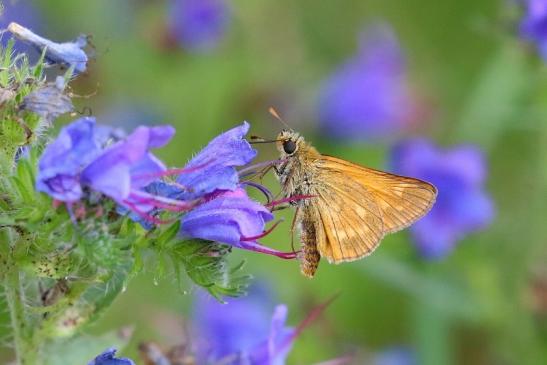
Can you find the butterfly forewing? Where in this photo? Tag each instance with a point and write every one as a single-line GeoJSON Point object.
{"type": "Point", "coordinates": [357, 206]}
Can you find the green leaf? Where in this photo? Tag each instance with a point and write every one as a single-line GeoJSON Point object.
{"type": "Point", "coordinates": [39, 68]}
{"type": "Point", "coordinates": [206, 264]}
{"type": "Point", "coordinates": [170, 233]}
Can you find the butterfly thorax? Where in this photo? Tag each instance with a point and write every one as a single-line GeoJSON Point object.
{"type": "Point", "coordinates": [296, 171]}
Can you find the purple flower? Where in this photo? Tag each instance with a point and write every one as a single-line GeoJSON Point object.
{"type": "Point", "coordinates": [107, 358]}
{"type": "Point", "coordinates": [230, 217]}
{"type": "Point", "coordinates": [68, 54]}
{"type": "Point", "coordinates": [22, 12]}
{"type": "Point", "coordinates": [367, 97]}
{"type": "Point", "coordinates": [241, 331]}
{"type": "Point", "coordinates": [125, 168]}
{"type": "Point", "coordinates": [215, 164]}
{"type": "Point", "coordinates": [122, 171]}
{"type": "Point", "coordinates": [533, 26]}
{"type": "Point", "coordinates": [49, 101]}
{"type": "Point", "coordinates": [198, 24]}
{"type": "Point", "coordinates": [462, 204]}
{"type": "Point", "coordinates": [395, 356]}
{"type": "Point", "coordinates": [63, 160]}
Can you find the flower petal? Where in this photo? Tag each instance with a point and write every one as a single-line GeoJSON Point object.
{"type": "Point", "coordinates": [218, 160]}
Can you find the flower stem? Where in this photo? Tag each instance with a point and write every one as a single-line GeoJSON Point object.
{"type": "Point", "coordinates": [26, 350]}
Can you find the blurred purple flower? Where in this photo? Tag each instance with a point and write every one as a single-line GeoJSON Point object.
{"type": "Point", "coordinates": [395, 356]}
{"type": "Point", "coordinates": [198, 24]}
{"type": "Point", "coordinates": [241, 331]}
{"type": "Point", "coordinates": [67, 54]}
{"type": "Point", "coordinates": [22, 12]}
{"type": "Point", "coordinates": [533, 26]}
{"type": "Point", "coordinates": [462, 204]}
{"type": "Point", "coordinates": [368, 97]}
{"type": "Point", "coordinates": [107, 358]}
{"type": "Point", "coordinates": [217, 161]}
{"type": "Point", "coordinates": [64, 159]}
{"type": "Point", "coordinates": [230, 217]}
{"type": "Point", "coordinates": [49, 101]}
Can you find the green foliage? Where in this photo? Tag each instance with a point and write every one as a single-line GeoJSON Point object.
{"type": "Point", "coordinates": [203, 262]}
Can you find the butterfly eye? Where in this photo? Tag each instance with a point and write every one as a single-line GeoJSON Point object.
{"type": "Point", "coordinates": [289, 147]}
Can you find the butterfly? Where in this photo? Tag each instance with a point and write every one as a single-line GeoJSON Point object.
{"type": "Point", "coordinates": [350, 207]}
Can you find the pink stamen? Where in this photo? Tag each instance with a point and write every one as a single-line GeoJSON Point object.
{"type": "Point", "coordinates": [56, 203]}
{"type": "Point", "coordinates": [147, 216]}
{"type": "Point", "coordinates": [289, 199]}
{"type": "Point", "coordinates": [263, 234]}
{"type": "Point", "coordinates": [282, 255]}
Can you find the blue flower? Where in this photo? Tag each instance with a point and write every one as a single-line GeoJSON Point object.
{"type": "Point", "coordinates": [122, 171]}
{"type": "Point", "coordinates": [49, 101]}
{"type": "Point", "coordinates": [533, 26]}
{"type": "Point", "coordinates": [367, 97]}
{"type": "Point", "coordinates": [63, 160]}
{"type": "Point", "coordinates": [68, 54]}
{"type": "Point", "coordinates": [107, 358]}
{"type": "Point", "coordinates": [125, 168]}
{"type": "Point", "coordinates": [230, 217]}
{"type": "Point", "coordinates": [198, 24]}
{"type": "Point", "coordinates": [214, 166]}
{"type": "Point", "coordinates": [462, 205]}
{"type": "Point", "coordinates": [242, 331]}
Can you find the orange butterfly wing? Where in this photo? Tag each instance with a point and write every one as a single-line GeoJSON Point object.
{"type": "Point", "coordinates": [347, 220]}
{"type": "Point", "coordinates": [357, 206]}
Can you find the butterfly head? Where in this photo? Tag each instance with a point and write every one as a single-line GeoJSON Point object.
{"type": "Point", "coordinates": [289, 142]}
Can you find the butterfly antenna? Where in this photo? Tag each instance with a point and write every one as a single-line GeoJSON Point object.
{"type": "Point", "coordinates": [276, 116]}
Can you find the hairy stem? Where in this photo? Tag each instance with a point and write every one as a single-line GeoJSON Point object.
{"type": "Point", "coordinates": [26, 349]}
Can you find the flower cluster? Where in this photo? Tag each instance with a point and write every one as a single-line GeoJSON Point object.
{"type": "Point", "coordinates": [462, 205]}
{"type": "Point", "coordinates": [87, 159]}
{"type": "Point", "coordinates": [368, 96]}
{"type": "Point", "coordinates": [248, 330]}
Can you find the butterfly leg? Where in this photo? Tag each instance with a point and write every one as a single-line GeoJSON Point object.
{"type": "Point", "coordinates": [293, 226]}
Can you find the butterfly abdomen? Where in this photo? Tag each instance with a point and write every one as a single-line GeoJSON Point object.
{"type": "Point", "coordinates": [310, 257]}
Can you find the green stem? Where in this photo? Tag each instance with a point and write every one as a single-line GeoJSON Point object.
{"type": "Point", "coordinates": [26, 350]}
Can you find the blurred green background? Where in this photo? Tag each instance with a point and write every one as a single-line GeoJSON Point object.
{"type": "Point", "coordinates": [484, 304]}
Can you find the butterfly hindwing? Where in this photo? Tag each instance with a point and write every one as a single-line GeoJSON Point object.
{"type": "Point", "coordinates": [349, 217]}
